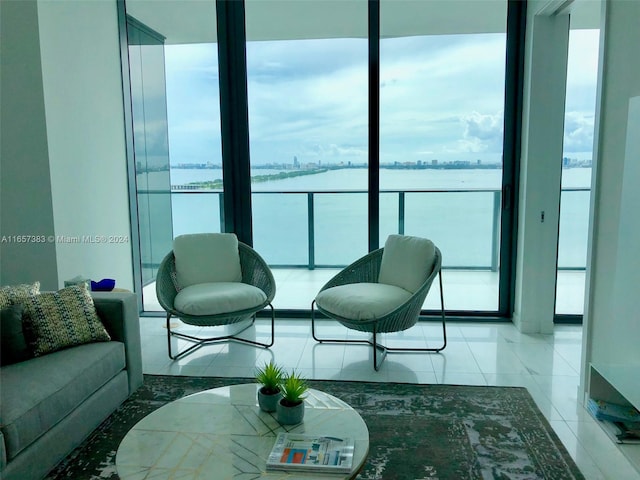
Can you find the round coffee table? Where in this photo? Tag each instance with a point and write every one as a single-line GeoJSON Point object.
{"type": "Point", "coordinates": [222, 433]}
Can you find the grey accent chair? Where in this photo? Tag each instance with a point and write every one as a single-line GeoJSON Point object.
{"type": "Point", "coordinates": [212, 279]}
{"type": "Point", "coordinates": [383, 292]}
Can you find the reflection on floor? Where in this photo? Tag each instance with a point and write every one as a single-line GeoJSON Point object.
{"type": "Point", "coordinates": [477, 354]}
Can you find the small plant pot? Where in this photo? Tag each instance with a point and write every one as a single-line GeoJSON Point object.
{"type": "Point", "coordinates": [289, 415]}
{"type": "Point", "coordinates": [268, 401]}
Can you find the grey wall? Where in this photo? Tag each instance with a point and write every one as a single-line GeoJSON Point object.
{"type": "Point", "coordinates": [83, 99]}
{"type": "Point", "coordinates": [63, 163]}
{"type": "Point", "coordinates": [25, 184]}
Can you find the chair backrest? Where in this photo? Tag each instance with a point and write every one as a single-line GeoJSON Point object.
{"type": "Point", "coordinates": [407, 261]}
{"type": "Point", "coordinates": [206, 258]}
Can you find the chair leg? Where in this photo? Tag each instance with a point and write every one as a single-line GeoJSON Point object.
{"type": "Point", "coordinates": [378, 346]}
{"type": "Point", "coordinates": [444, 330]}
{"type": "Point", "coordinates": [329, 340]}
{"type": "Point", "coordinates": [383, 352]}
{"type": "Point", "coordinates": [198, 341]}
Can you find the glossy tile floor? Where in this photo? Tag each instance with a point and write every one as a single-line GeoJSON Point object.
{"type": "Point", "coordinates": [477, 354]}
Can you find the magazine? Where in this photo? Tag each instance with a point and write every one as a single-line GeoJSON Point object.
{"type": "Point", "coordinates": [622, 432]}
{"type": "Point", "coordinates": [612, 412]}
{"type": "Point", "coordinates": [311, 453]}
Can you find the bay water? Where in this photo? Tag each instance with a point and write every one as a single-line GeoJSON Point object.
{"type": "Point", "coordinates": [459, 209]}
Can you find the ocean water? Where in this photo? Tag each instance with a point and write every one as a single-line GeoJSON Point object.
{"type": "Point", "coordinates": [464, 223]}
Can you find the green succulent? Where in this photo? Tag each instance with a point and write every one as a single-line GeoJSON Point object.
{"type": "Point", "coordinates": [293, 389]}
{"type": "Point", "coordinates": [271, 377]}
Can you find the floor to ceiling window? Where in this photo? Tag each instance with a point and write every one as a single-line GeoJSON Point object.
{"type": "Point", "coordinates": [315, 204]}
{"type": "Point", "coordinates": [582, 78]}
{"type": "Point", "coordinates": [193, 111]}
{"type": "Point", "coordinates": [149, 116]}
{"type": "Point", "coordinates": [442, 94]}
{"type": "Point", "coordinates": [308, 115]}
{"type": "Point", "coordinates": [173, 63]}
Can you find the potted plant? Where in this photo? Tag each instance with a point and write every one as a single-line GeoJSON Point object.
{"type": "Point", "coordinates": [270, 377]}
{"type": "Point", "coordinates": [290, 408]}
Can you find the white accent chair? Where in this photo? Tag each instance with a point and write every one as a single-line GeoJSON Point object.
{"type": "Point", "coordinates": [212, 279]}
{"type": "Point", "coordinates": [383, 292]}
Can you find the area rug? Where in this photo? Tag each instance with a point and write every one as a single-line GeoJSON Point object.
{"type": "Point", "coordinates": [416, 431]}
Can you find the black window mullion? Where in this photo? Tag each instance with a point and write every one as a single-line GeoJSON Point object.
{"type": "Point", "coordinates": [514, 79]}
{"type": "Point", "coordinates": [374, 124]}
{"type": "Point", "coordinates": [234, 118]}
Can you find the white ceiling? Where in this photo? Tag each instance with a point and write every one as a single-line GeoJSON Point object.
{"type": "Point", "coordinates": [194, 21]}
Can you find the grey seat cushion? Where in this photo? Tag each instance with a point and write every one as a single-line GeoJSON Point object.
{"type": "Point", "coordinates": [362, 301]}
{"type": "Point", "coordinates": [217, 298]}
{"type": "Point", "coordinates": [38, 393]}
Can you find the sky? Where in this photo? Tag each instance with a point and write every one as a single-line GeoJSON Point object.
{"type": "Point", "coordinates": [441, 98]}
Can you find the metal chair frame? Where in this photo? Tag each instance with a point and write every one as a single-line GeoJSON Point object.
{"type": "Point", "coordinates": [254, 272]}
{"type": "Point", "coordinates": [199, 342]}
{"type": "Point", "coordinates": [401, 318]}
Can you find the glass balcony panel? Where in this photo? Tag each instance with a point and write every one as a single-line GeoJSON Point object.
{"type": "Point", "coordinates": [280, 228]}
{"type": "Point", "coordinates": [389, 215]}
{"type": "Point", "coordinates": [459, 223]}
{"type": "Point", "coordinates": [196, 212]}
{"type": "Point", "coordinates": [341, 232]}
{"type": "Point", "coordinates": [574, 234]}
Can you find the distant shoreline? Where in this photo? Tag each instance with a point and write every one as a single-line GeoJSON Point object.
{"type": "Point", "coordinates": [322, 169]}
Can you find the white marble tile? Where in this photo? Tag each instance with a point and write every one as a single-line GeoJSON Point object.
{"type": "Point", "coordinates": [578, 453]}
{"type": "Point", "coordinates": [456, 358]}
{"type": "Point", "coordinates": [476, 354]}
{"type": "Point", "coordinates": [453, 378]}
{"type": "Point", "coordinates": [496, 357]}
{"type": "Point", "coordinates": [603, 451]}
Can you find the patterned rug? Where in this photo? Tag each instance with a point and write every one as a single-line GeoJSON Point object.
{"type": "Point", "coordinates": [416, 431]}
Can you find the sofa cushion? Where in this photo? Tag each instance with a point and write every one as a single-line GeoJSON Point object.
{"type": "Point", "coordinates": [362, 301]}
{"type": "Point", "coordinates": [38, 393]}
{"type": "Point", "coordinates": [406, 261]}
{"type": "Point", "coordinates": [206, 257]}
{"type": "Point", "coordinates": [13, 346]}
{"type": "Point", "coordinates": [12, 294]}
{"type": "Point", "coordinates": [57, 320]}
{"type": "Point", "coordinates": [219, 297]}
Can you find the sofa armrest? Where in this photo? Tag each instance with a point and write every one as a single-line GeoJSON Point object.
{"type": "Point", "coordinates": [119, 314]}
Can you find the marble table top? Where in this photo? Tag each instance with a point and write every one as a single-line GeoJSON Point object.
{"type": "Point", "coordinates": [222, 434]}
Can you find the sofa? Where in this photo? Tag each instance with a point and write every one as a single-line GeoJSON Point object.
{"type": "Point", "coordinates": [50, 403]}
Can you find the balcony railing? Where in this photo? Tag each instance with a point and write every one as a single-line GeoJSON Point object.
{"type": "Point", "coordinates": [464, 223]}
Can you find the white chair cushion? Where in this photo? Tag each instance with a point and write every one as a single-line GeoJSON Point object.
{"type": "Point", "coordinates": [218, 297]}
{"type": "Point", "coordinates": [407, 261]}
{"type": "Point", "coordinates": [362, 301]}
{"type": "Point", "coordinates": [206, 258]}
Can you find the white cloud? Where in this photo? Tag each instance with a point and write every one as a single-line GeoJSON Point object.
{"type": "Point", "coordinates": [440, 97]}
{"type": "Point", "coordinates": [578, 132]}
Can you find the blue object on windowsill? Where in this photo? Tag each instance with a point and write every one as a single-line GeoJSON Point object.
{"type": "Point", "coordinates": [104, 285]}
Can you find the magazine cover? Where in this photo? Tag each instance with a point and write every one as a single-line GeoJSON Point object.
{"type": "Point", "coordinates": [311, 453]}
{"type": "Point", "coordinates": [612, 412]}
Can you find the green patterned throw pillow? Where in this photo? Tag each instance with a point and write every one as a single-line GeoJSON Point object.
{"type": "Point", "coordinates": [15, 294]}
{"type": "Point", "coordinates": [57, 320]}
